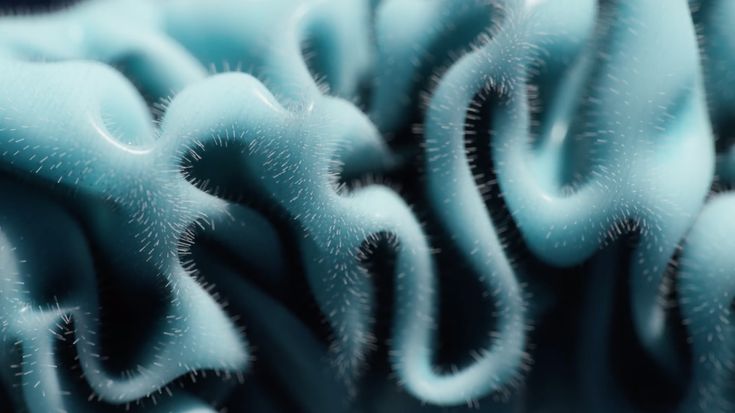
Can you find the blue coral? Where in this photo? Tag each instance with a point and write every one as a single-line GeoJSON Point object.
{"type": "Point", "coordinates": [261, 178]}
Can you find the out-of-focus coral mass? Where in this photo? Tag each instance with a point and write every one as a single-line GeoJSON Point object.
{"type": "Point", "coordinates": [367, 206]}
